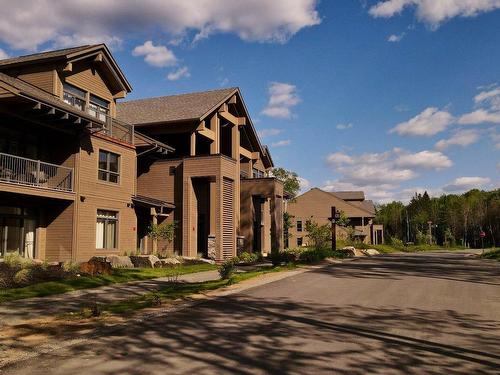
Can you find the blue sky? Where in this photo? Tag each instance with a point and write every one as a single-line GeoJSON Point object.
{"type": "Point", "coordinates": [389, 97]}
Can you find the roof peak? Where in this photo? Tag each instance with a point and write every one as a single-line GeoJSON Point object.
{"type": "Point", "coordinates": [54, 51]}
{"type": "Point", "coordinates": [176, 95]}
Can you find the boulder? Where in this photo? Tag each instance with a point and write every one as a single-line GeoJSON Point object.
{"type": "Point", "coordinates": [120, 261]}
{"type": "Point", "coordinates": [170, 262]}
{"type": "Point", "coordinates": [96, 266]}
{"type": "Point", "coordinates": [349, 251]}
{"type": "Point", "coordinates": [371, 252]}
{"type": "Point", "coordinates": [145, 261]}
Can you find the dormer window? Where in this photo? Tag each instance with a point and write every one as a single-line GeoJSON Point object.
{"type": "Point", "coordinates": [74, 96]}
{"type": "Point", "coordinates": [98, 108]}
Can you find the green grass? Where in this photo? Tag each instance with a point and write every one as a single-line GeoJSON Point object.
{"type": "Point", "coordinates": [387, 249]}
{"type": "Point", "coordinates": [178, 290]}
{"type": "Point", "coordinates": [118, 276]}
{"type": "Point", "coordinates": [492, 254]}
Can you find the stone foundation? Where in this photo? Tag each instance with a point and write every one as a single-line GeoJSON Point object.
{"type": "Point", "coordinates": [212, 250]}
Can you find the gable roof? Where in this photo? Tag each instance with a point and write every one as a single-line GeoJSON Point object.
{"type": "Point", "coordinates": [350, 195]}
{"type": "Point", "coordinates": [172, 108]}
{"type": "Point", "coordinates": [351, 209]}
{"type": "Point", "coordinates": [70, 55]}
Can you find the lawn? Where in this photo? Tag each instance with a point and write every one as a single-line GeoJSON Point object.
{"type": "Point", "coordinates": [179, 290]}
{"type": "Point", "coordinates": [118, 276]}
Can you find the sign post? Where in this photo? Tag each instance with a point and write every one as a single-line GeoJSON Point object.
{"type": "Point", "coordinates": [335, 215]}
{"type": "Point", "coordinates": [482, 234]}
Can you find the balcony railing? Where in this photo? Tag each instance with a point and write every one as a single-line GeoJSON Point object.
{"type": "Point", "coordinates": [23, 171]}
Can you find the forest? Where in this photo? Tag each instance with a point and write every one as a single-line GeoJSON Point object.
{"type": "Point", "coordinates": [449, 220]}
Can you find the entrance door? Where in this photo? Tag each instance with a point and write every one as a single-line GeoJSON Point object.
{"type": "Point", "coordinates": [257, 224]}
{"type": "Point", "coordinates": [202, 235]}
{"type": "Point", "coordinates": [11, 241]}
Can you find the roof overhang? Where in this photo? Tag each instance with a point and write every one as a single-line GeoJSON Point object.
{"type": "Point", "coordinates": [143, 201]}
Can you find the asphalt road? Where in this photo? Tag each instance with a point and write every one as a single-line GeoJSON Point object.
{"type": "Point", "coordinates": [399, 314]}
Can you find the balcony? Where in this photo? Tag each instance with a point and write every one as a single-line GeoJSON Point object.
{"type": "Point", "coordinates": [35, 173]}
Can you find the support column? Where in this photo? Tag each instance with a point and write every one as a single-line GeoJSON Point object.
{"type": "Point", "coordinates": [215, 127]}
{"type": "Point", "coordinates": [235, 152]}
{"type": "Point", "coordinates": [276, 223]}
{"type": "Point", "coordinates": [154, 242]}
{"type": "Point", "coordinates": [193, 144]}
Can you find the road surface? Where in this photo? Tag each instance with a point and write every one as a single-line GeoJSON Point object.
{"type": "Point", "coordinates": [400, 314]}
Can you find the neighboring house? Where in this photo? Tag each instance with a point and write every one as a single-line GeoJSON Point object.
{"type": "Point", "coordinates": [67, 166]}
{"type": "Point", "coordinates": [217, 176]}
{"type": "Point", "coordinates": [316, 204]}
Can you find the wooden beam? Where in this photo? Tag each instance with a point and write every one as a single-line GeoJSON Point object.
{"type": "Point", "coordinates": [242, 121]}
{"type": "Point", "coordinates": [246, 153]}
{"type": "Point", "coordinates": [255, 155]}
{"type": "Point", "coordinates": [215, 127]}
{"type": "Point", "coordinates": [120, 94]}
{"type": "Point", "coordinates": [232, 100]}
{"type": "Point", "coordinates": [193, 144]}
{"type": "Point", "coordinates": [98, 58]}
{"type": "Point", "coordinates": [233, 119]}
{"type": "Point", "coordinates": [207, 133]}
{"type": "Point", "coordinates": [223, 108]}
{"type": "Point", "coordinates": [68, 67]}
{"type": "Point", "coordinates": [201, 126]}
{"type": "Point", "coordinates": [64, 116]}
{"type": "Point", "coordinates": [37, 106]}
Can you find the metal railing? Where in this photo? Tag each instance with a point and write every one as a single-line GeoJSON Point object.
{"type": "Point", "coordinates": [24, 171]}
{"type": "Point", "coordinates": [119, 130]}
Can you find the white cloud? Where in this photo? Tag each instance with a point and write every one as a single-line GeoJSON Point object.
{"type": "Point", "coordinates": [182, 72]}
{"type": "Point", "coordinates": [159, 56]}
{"type": "Point", "coordinates": [423, 160]}
{"type": "Point", "coordinates": [305, 184]}
{"type": "Point", "coordinates": [401, 108]}
{"type": "Point", "coordinates": [282, 143]}
{"type": "Point", "coordinates": [491, 96]}
{"type": "Point", "coordinates": [466, 183]}
{"type": "Point", "coordinates": [282, 97]}
{"type": "Point", "coordinates": [3, 54]}
{"type": "Point", "coordinates": [461, 138]}
{"type": "Point", "coordinates": [434, 12]}
{"type": "Point", "coordinates": [344, 126]}
{"type": "Point", "coordinates": [394, 38]}
{"type": "Point", "coordinates": [269, 132]}
{"type": "Point", "coordinates": [31, 23]}
{"type": "Point", "coordinates": [428, 123]}
{"type": "Point", "coordinates": [479, 116]}
{"type": "Point", "coordinates": [339, 158]}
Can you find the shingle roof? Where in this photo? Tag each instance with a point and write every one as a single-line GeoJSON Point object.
{"type": "Point", "coordinates": [350, 195]}
{"type": "Point", "coordinates": [171, 108]}
{"type": "Point", "coordinates": [366, 205]}
{"type": "Point", "coordinates": [44, 55]}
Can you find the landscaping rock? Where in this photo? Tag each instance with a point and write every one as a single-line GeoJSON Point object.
{"type": "Point", "coordinates": [349, 251]}
{"type": "Point", "coordinates": [120, 261]}
{"type": "Point", "coordinates": [170, 262]}
{"type": "Point", "coordinates": [96, 266]}
{"type": "Point", "coordinates": [189, 260]}
{"type": "Point", "coordinates": [145, 261]}
{"type": "Point", "coordinates": [371, 252]}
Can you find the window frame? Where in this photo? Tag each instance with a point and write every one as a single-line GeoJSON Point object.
{"type": "Point", "coordinates": [74, 93]}
{"type": "Point", "coordinates": [98, 108]}
{"type": "Point", "coordinates": [106, 219]}
{"type": "Point", "coordinates": [300, 228]}
{"type": "Point", "coordinates": [107, 172]}
{"type": "Point", "coordinates": [301, 241]}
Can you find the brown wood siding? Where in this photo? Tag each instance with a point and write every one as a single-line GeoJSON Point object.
{"type": "Point", "coordinates": [59, 232]}
{"type": "Point", "coordinates": [228, 232]}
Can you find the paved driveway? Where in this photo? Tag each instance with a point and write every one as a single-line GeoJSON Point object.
{"type": "Point", "coordinates": [399, 314]}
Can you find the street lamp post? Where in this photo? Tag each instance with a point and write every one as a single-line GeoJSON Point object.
{"type": "Point", "coordinates": [335, 216]}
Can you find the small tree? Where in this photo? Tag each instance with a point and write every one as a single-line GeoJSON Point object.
{"type": "Point", "coordinates": [165, 231]}
{"type": "Point", "coordinates": [319, 235]}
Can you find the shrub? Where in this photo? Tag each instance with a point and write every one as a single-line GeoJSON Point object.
{"type": "Point", "coordinates": [22, 277]}
{"type": "Point", "coordinates": [319, 235]}
{"type": "Point", "coordinates": [226, 269]}
{"type": "Point", "coordinates": [396, 243]}
{"type": "Point", "coordinates": [247, 257]}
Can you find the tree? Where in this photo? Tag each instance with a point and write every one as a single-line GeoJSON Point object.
{"type": "Point", "coordinates": [319, 235]}
{"type": "Point", "coordinates": [291, 182]}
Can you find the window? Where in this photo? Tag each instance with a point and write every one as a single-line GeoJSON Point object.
{"type": "Point", "coordinates": [299, 241]}
{"type": "Point", "coordinates": [109, 165]}
{"type": "Point", "coordinates": [299, 225]}
{"type": "Point", "coordinates": [107, 225]}
{"type": "Point", "coordinates": [74, 96]}
{"type": "Point", "coordinates": [257, 173]}
{"type": "Point", "coordinates": [98, 108]}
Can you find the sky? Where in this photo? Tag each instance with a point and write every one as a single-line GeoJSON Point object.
{"type": "Point", "coordinates": [391, 97]}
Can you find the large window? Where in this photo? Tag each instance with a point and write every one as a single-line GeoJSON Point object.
{"type": "Point", "coordinates": [109, 166]}
{"type": "Point", "coordinates": [299, 241]}
{"type": "Point", "coordinates": [74, 96]}
{"type": "Point", "coordinates": [98, 108]}
{"type": "Point", "coordinates": [106, 230]}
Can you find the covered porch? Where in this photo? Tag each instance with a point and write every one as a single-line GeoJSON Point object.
{"type": "Point", "coordinates": [261, 223]}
